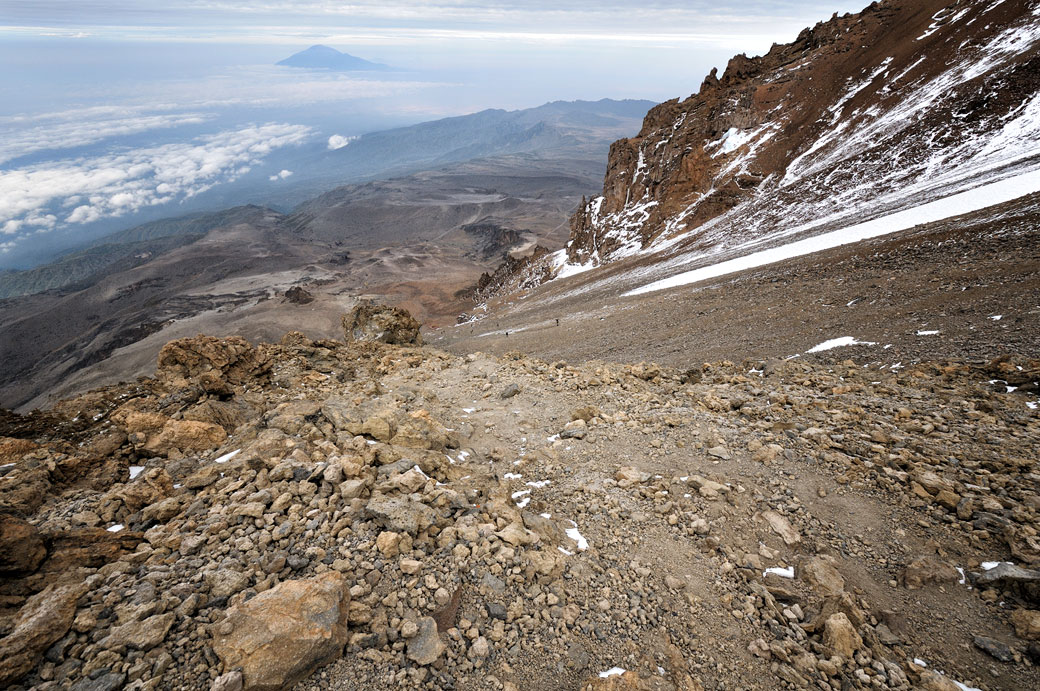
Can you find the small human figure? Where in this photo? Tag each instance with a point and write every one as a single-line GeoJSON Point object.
{"type": "Point", "coordinates": [557, 321]}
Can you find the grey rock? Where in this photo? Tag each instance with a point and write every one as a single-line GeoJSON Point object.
{"type": "Point", "coordinates": [105, 682]}
{"type": "Point", "coordinates": [426, 646]}
{"type": "Point", "coordinates": [994, 648]}
{"type": "Point", "coordinates": [401, 515]}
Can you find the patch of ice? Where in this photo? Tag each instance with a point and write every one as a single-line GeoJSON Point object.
{"type": "Point", "coordinates": [517, 495]}
{"type": "Point", "coordinates": [1032, 405]}
{"type": "Point", "coordinates": [115, 528]}
{"type": "Point", "coordinates": [919, 662]}
{"type": "Point", "coordinates": [469, 410]}
{"type": "Point", "coordinates": [612, 672]}
{"type": "Point", "coordinates": [512, 476]}
{"type": "Point", "coordinates": [838, 343]}
{"type": "Point", "coordinates": [545, 515]}
{"type": "Point", "coordinates": [523, 502]}
{"type": "Point", "coordinates": [988, 565]}
{"type": "Point", "coordinates": [963, 577]}
{"type": "Point", "coordinates": [783, 573]}
{"type": "Point", "coordinates": [539, 484]}
{"type": "Point", "coordinates": [996, 317]}
{"type": "Point", "coordinates": [227, 457]}
{"type": "Point", "coordinates": [136, 470]}
{"type": "Point", "coordinates": [177, 486]}
{"type": "Point", "coordinates": [929, 332]}
{"type": "Point", "coordinates": [573, 534]}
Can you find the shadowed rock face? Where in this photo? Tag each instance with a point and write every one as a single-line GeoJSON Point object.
{"type": "Point", "coordinates": [382, 324]}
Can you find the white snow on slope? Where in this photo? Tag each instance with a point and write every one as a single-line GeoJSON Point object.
{"type": "Point", "coordinates": [955, 205]}
{"type": "Point", "coordinates": [838, 343]}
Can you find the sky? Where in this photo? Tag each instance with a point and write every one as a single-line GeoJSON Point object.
{"type": "Point", "coordinates": [110, 109]}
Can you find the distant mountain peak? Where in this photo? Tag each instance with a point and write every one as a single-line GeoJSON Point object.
{"type": "Point", "coordinates": [319, 57]}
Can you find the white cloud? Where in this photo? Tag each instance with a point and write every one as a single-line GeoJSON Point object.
{"type": "Point", "coordinates": [280, 176]}
{"type": "Point", "coordinates": [338, 141]}
{"type": "Point", "coordinates": [32, 198]}
{"type": "Point", "coordinates": [82, 126]}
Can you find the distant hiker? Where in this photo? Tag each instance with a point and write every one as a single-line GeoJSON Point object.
{"type": "Point", "coordinates": [557, 321]}
{"type": "Point", "coordinates": [507, 334]}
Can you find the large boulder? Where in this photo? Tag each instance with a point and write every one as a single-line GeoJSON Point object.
{"type": "Point", "coordinates": [283, 634]}
{"type": "Point", "coordinates": [214, 364]}
{"type": "Point", "coordinates": [382, 324]}
{"type": "Point", "coordinates": [42, 620]}
{"type": "Point", "coordinates": [21, 547]}
{"type": "Point", "coordinates": [400, 515]}
{"type": "Point", "coordinates": [185, 436]}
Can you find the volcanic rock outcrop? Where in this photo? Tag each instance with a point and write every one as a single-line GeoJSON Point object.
{"type": "Point", "coordinates": [905, 102]}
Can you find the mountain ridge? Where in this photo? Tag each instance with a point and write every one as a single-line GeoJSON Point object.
{"type": "Point", "coordinates": [860, 115]}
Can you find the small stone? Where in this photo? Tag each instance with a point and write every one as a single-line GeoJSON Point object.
{"type": "Point", "coordinates": [232, 681]}
{"type": "Point", "coordinates": [426, 647]}
{"type": "Point", "coordinates": [480, 648]}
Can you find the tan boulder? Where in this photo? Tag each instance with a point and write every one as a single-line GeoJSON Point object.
{"type": "Point", "coordinates": [283, 634]}
{"type": "Point", "coordinates": [21, 547]}
{"type": "Point", "coordinates": [928, 569]}
{"type": "Point", "coordinates": [12, 449]}
{"type": "Point", "coordinates": [840, 635]}
{"type": "Point", "coordinates": [42, 620]}
{"type": "Point", "coordinates": [821, 576]}
{"type": "Point", "coordinates": [214, 364]}
{"type": "Point", "coordinates": [1027, 624]}
{"type": "Point", "coordinates": [381, 324]}
{"type": "Point", "coordinates": [782, 527]}
{"type": "Point", "coordinates": [185, 436]}
{"type": "Point", "coordinates": [418, 430]}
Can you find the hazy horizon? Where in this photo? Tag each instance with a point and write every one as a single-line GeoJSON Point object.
{"type": "Point", "coordinates": [113, 108]}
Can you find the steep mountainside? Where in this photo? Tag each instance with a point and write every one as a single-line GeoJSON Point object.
{"type": "Point", "coordinates": [861, 116]}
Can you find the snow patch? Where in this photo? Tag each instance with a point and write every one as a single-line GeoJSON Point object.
{"type": "Point", "coordinates": [958, 204]}
{"type": "Point", "coordinates": [227, 457]}
{"type": "Point", "coordinates": [115, 528]}
{"type": "Point", "coordinates": [573, 534]}
{"type": "Point", "coordinates": [612, 672]}
{"type": "Point", "coordinates": [783, 573]}
{"type": "Point", "coordinates": [136, 470]}
{"type": "Point", "coordinates": [838, 343]}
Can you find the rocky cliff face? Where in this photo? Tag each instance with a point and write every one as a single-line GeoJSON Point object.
{"type": "Point", "coordinates": [906, 101]}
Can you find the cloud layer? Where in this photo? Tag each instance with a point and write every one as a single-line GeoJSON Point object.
{"type": "Point", "coordinates": [69, 192]}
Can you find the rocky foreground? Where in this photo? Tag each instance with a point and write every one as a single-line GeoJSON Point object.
{"type": "Point", "coordinates": [367, 515]}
